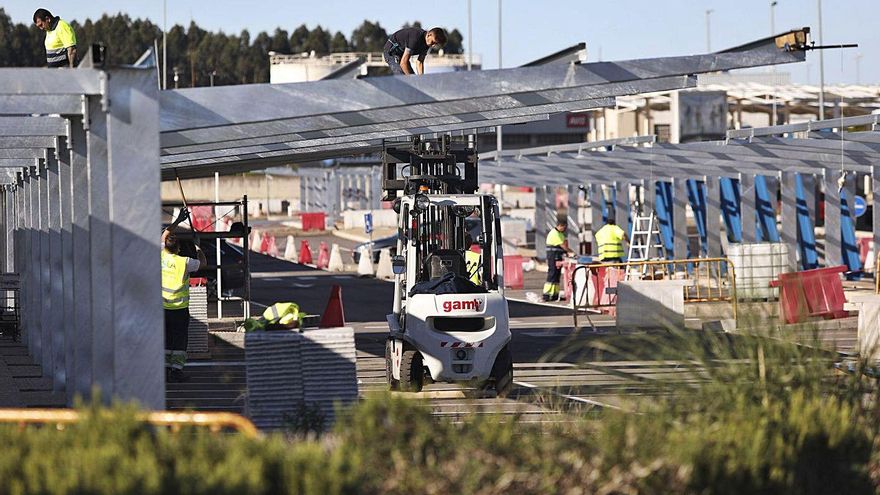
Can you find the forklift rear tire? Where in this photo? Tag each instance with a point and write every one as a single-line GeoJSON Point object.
{"type": "Point", "coordinates": [389, 375]}
{"type": "Point", "coordinates": [502, 372]}
{"type": "Point", "coordinates": [412, 371]}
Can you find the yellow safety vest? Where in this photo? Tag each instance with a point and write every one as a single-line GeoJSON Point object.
{"type": "Point", "coordinates": [58, 40]}
{"type": "Point", "coordinates": [175, 281]}
{"type": "Point", "coordinates": [472, 262]}
{"type": "Point", "coordinates": [283, 313]}
{"type": "Point", "coordinates": [610, 241]}
{"type": "Point", "coordinates": [555, 238]}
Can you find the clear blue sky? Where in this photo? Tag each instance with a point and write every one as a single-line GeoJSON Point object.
{"type": "Point", "coordinates": [620, 29]}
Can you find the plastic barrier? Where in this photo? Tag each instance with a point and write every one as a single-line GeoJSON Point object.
{"type": "Point", "coordinates": [305, 253]}
{"type": "Point", "coordinates": [811, 293]}
{"type": "Point", "coordinates": [513, 271]}
{"type": "Point", "coordinates": [334, 314]}
{"type": "Point", "coordinates": [313, 221]}
{"type": "Point", "coordinates": [290, 249]}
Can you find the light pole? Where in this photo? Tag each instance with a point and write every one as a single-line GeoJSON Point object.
{"type": "Point", "coordinates": [268, 178]}
{"type": "Point", "coordinates": [470, 57]}
{"type": "Point", "coordinates": [708, 31]}
{"type": "Point", "coordinates": [858, 68]}
{"type": "Point", "coordinates": [165, 44]}
{"type": "Point", "coordinates": [821, 67]}
{"type": "Point", "coordinates": [773, 68]}
{"type": "Point", "coordinates": [498, 127]}
{"type": "Point", "coordinates": [176, 77]}
{"type": "Point", "coordinates": [212, 74]}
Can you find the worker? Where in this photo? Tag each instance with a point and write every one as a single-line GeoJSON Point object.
{"type": "Point", "coordinates": [409, 42]}
{"type": "Point", "coordinates": [60, 39]}
{"type": "Point", "coordinates": [473, 260]}
{"type": "Point", "coordinates": [557, 246]}
{"type": "Point", "coordinates": [610, 241]}
{"type": "Point", "coordinates": [175, 301]}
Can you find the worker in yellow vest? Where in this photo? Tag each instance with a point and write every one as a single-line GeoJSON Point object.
{"type": "Point", "coordinates": [175, 301]}
{"type": "Point", "coordinates": [473, 261]}
{"type": "Point", "coordinates": [610, 241]}
{"type": "Point", "coordinates": [60, 39]}
{"type": "Point", "coordinates": [557, 247]}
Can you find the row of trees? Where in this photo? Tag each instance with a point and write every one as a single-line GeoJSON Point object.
{"type": "Point", "coordinates": [193, 51]}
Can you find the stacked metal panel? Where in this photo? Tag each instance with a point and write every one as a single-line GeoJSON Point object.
{"type": "Point", "coordinates": [291, 373]}
{"type": "Point", "coordinates": [197, 342]}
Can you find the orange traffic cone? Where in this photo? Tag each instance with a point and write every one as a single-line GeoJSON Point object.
{"type": "Point", "coordinates": [305, 253]}
{"type": "Point", "coordinates": [323, 256]}
{"type": "Point", "coordinates": [264, 243]}
{"type": "Point", "coordinates": [334, 315]}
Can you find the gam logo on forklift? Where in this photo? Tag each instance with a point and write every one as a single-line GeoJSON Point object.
{"type": "Point", "coordinates": [466, 305]}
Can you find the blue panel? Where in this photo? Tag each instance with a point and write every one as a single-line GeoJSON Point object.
{"type": "Point", "coordinates": [806, 233]}
{"type": "Point", "coordinates": [765, 209]}
{"type": "Point", "coordinates": [849, 246]}
{"type": "Point", "coordinates": [697, 197]}
{"type": "Point", "coordinates": [729, 189]}
{"type": "Point", "coordinates": [663, 203]}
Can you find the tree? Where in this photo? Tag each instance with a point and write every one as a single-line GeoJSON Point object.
{"type": "Point", "coordinates": [298, 39]}
{"type": "Point", "coordinates": [369, 37]}
{"type": "Point", "coordinates": [454, 42]}
{"type": "Point", "coordinates": [318, 41]}
{"type": "Point", "coordinates": [280, 41]}
{"type": "Point", "coordinates": [339, 43]}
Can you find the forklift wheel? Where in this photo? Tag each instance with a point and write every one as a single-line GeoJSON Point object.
{"type": "Point", "coordinates": [502, 372]}
{"type": "Point", "coordinates": [411, 371]}
{"type": "Point", "coordinates": [389, 376]}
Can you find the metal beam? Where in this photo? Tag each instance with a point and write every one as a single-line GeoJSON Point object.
{"type": "Point", "coordinates": [39, 81]}
{"type": "Point", "coordinates": [30, 104]}
{"type": "Point", "coordinates": [33, 126]}
{"type": "Point", "coordinates": [813, 125]}
{"type": "Point", "coordinates": [570, 147]}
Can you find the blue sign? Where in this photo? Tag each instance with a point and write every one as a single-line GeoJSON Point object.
{"type": "Point", "coordinates": [860, 205]}
{"type": "Point", "coordinates": [368, 223]}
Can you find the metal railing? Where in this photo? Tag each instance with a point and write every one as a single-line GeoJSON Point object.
{"type": "Point", "coordinates": [713, 280]}
{"type": "Point", "coordinates": [215, 421]}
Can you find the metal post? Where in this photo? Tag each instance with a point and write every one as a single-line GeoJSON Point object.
{"type": "Point", "coordinates": [217, 252]}
{"type": "Point", "coordinates": [45, 293]}
{"type": "Point", "coordinates": [574, 227]}
{"type": "Point", "coordinates": [596, 223]}
{"type": "Point", "coordinates": [165, 44]}
{"type": "Point", "coordinates": [708, 31]}
{"type": "Point", "coordinates": [747, 207]}
{"type": "Point", "coordinates": [67, 317]}
{"type": "Point", "coordinates": [137, 319]}
{"type": "Point", "coordinates": [247, 257]}
{"type": "Point", "coordinates": [833, 252]}
{"type": "Point", "coordinates": [821, 66]}
{"type": "Point", "coordinates": [875, 220]}
{"type": "Point", "coordinates": [773, 3]}
{"type": "Point", "coordinates": [540, 223]}
{"type": "Point", "coordinates": [10, 199]}
{"type": "Point", "coordinates": [55, 283]}
{"type": "Point", "coordinates": [82, 252]}
{"type": "Point", "coordinates": [621, 205]}
{"type": "Point", "coordinates": [713, 217]}
{"type": "Point", "coordinates": [498, 130]}
{"type": "Point", "coordinates": [679, 218]}
{"type": "Point", "coordinates": [788, 193]}
{"type": "Point", "coordinates": [470, 57]}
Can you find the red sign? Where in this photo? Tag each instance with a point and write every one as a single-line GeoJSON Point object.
{"type": "Point", "coordinates": [580, 120]}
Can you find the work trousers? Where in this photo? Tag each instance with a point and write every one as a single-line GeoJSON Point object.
{"type": "Point", "coordinates": [176, 337]}
{"type": "Point", "coordinates": [393, 63]}
{"type": "Point", "coordinates": [551, 286]}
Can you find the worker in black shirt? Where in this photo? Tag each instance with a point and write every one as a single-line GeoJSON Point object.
{"type": "Point", "coordinates": [409, 42]}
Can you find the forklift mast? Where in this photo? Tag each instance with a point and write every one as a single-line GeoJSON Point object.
{"type": "Point", "coordinates": [443, 165]}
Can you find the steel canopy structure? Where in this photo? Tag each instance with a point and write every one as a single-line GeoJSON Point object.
{"type": "Point", "coordinates": [238, 128]}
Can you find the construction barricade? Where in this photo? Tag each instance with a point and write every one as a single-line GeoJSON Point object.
{"type": "Point", "coordinates": [593, 287]}
{"type": "Point", "coordinates": [513, 271]}
{"type": "Point", "coordinates": [811, 293]}
{"type": "Point", "coordinates": [313, 221]}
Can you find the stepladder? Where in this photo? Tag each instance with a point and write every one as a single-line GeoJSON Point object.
{"type": "Point", "coordinates": [645, 243]}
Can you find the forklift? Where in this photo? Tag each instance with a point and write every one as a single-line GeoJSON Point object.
{"type": "Point", "coordinates": [449, 321]}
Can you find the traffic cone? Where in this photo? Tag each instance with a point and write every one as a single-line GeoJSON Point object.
{"type": "Point", "coordinates": [365, 263]}
{"type": "Point", "coordinates": [273, 247]}
{"type": "Point", "coordinates": [305, 253]}
{"type": "Point", "coordinates": [334, 315]}
{"type": "Point", "coordinates": [323, 256]}
{"type": "Point", "coordinates": [254, 240]}
{"type": "Point", "coordinates": [290, 249]}
{"type": "Point", "coordinates": [335, 264]}
{"type": "Point", "coordinates": [384, 271]}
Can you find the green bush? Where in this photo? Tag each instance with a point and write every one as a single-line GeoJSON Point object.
{"type": "Point", "coordinates": [760, 415]}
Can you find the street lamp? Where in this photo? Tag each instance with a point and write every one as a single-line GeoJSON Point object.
{"type": "Point", "coordinates": [708, 31]}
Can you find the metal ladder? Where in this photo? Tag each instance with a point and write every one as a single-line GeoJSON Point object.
{"type": "Point", "coordinates": [644, 237]}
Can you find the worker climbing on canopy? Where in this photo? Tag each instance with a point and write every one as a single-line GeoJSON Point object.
{"type": "Point", "coordinates": [557, 246]}
{"type": "Point", "coordinates": [175, 299]}
{"type": "Point", "coordinates": [409, 42]}
{"type": "Point", "coordinates": [610, 241]}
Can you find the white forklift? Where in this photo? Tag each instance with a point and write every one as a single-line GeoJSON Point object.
{"type": "Point", "coordinates": [449, 323]}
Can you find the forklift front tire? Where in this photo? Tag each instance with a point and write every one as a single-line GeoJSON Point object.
{"type": "Point", "coordinates": [412, 371]}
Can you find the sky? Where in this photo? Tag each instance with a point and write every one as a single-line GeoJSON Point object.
{"type": "Point", "coordinates": [613, 30]}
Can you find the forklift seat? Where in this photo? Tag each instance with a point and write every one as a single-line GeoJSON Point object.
{"type": "Point", "coordinates": [444, 261]}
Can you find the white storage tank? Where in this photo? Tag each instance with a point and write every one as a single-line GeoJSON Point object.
{"type": "Point", "coordinates": [756, 265]}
